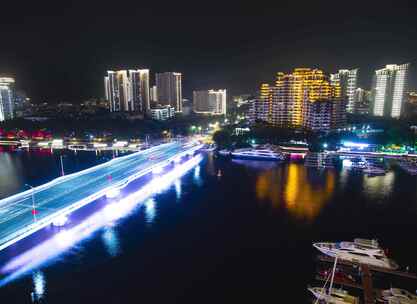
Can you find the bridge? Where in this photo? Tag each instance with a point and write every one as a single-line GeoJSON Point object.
{"type": "Point", "coordinates": [24, 213]}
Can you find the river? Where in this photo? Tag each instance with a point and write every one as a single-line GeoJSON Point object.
{"type": "Point", "coordinates": [227, 231]}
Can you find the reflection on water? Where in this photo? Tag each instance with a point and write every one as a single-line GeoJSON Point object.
{"type": "Point", "coordinates": [197, 177]}
{"type": "Point", "coordinates": [378, 185]}
{"type": "Point", "coordinates": [210, 167]}
{"type": "Point", "coordinates": [150, 210]}
{"type": "Point", "coordinates": [177, 185]}
{"type": "Point", "coordinates": [111, 241]}
{"type": "Point", "coordinates": [343, 177]}
{"type": "Point", "coordinates": [39, 286]}
{"type": "Point", "coordinates": [293, 188]}
{"type": "Point", "coordinates": [258, 164]}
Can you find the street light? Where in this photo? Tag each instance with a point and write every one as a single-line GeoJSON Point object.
{"type": "Point", "coordinates": [33, 201]}
{"type": "Point", "coordinates": [62, 166]}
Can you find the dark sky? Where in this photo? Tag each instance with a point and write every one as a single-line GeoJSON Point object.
{"type": "Point", "coordinates": [60, 50]}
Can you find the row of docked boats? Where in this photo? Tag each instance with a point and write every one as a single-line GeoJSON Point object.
{"type": "Point", "coordinates": [360, 252]}
{"type": "Point", "coordinates": [369, 167]}
{"type": "Point", "coordinates": [341, 296]}
{"type": "Point", "coordinates": [327, 160]}
{"type": "Point", "coordinates": [408, 166]}
{"type": "Point", "coordinates": [320, 160]}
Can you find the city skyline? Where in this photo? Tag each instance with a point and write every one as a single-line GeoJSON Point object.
{"type": "Point", "coordinates": [46, 49]}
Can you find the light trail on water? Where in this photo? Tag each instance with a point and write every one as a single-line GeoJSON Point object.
{"type": "Point", "coordinates": [107, 216]}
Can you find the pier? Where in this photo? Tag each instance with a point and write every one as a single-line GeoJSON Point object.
{"type": "Point", "coordinates": [368, 290]}
{"type": "Point", "coordinates": [404, 274]}
{"type": "Point", "coordinates": [365, 273]}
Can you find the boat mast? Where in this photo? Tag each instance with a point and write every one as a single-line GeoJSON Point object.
{"type": "Point", "coordinates": [331, 280]}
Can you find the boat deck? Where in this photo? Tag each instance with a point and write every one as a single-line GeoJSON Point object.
{"type": "Point", "coordinates": [400, 273]}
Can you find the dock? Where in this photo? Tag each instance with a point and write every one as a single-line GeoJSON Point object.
{"type": "Point", "coordinates": [365, 272]}
{"type": "Point", "coordinates": [340, 282]}
{"type": "Point", "coordinates": [368, 290]}
{"type": "Point", "coordinates": [404, 274]}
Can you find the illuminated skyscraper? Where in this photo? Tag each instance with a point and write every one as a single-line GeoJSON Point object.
{"type": "Point", "coordinates": [169, 89]}
{"type": "Point", "coordinates": [154, 94]}
{"type": "Point", "coordinates": [127, 90]}
{"type": "Point", "coordinates": [362, 99]}
{"type": "Point", "coordinates": [291, 102]}
{"type": "Point", "coordinates": [6, 98]}
{"type": "Point", "coordinates": [348, 81]}
{"type": "Point", "coordinates": [389, 88]}
{"type": "Point", "coordinates": [260, 108]}
{"type": "Point", "coordinates": [210, 102]}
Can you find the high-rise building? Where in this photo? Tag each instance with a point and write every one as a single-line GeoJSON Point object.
{"type": "Point", "coordinates": [162, 112]}
{"type": "Point", "coordinates": [169, 89]}
{"type": "Point", "coordinates": [348, 81]}
{"type": "Point", "coordinates": [289, 103]}
{"type": "Point", "coordinates": [7, 92]}
{"type": "Point", "coordinates": [144, 103]}
{"type": "Point", "coordinates": [210, 102]}
{"type": "Point", "coordinates": [154, 94]}
{"type": "Point", "coordinates": [389, 89]}
{"type": "Point", "coordinates": [127, 90]}
{"type": "Point", "coordinates": [362, 99]}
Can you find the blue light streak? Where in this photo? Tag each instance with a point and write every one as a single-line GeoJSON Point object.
{"type": "Point", "coordinates": [109, 215]}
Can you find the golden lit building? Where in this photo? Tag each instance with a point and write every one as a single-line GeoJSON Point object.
{"type": "Point", "coordinates": [261, 108]}
{"type": "Point", "coordinates": [289, 99]}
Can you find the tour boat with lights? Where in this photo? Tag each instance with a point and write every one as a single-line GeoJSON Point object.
{"type": "Point", "coordinates": [335, 296]}
{"type": "Point", "coordinates": [359, 252]}
{"type": "Point", "coordinates": [398, 296]}
{"type": "Point", "coordinates": [257, 154]}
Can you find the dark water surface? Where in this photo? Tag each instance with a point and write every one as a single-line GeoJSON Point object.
{"type": "Point", "coordinates": [244, 236]}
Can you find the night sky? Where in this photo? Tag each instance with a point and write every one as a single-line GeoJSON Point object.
{"type": "Point", "coordinates": [60, 51]}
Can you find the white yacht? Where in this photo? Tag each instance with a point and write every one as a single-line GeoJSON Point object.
{"type": "Point", "coordinates": [367, 243]}
{"type": "Point", "coordinates": [225, 152]}
{"type": "Point", "coordinates": [336, 296]}
{"type": "Point", "coordinates": [398, 296]}
{"type": "Point", "coordinates": [357, 252]}
{"type": "Point", "coordinates": [257, 154]}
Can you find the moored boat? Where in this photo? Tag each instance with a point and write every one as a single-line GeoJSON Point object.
{"type": "Point", "coordinates": [357, 253]}
{"type": "Point", "coordinates": [398, 296]}
{"type": "Point", "coordinates": [225, 152]}
{"type": "Point", "coordinates": [408, 166]}
{"type": "Point", "coordinates": [335, 296]}
{"type": "Point", "coordinates": [257, 154]}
